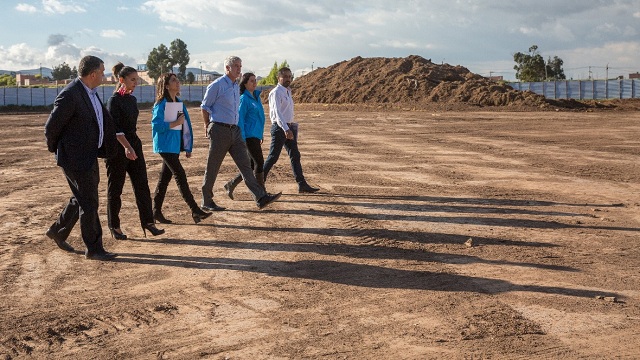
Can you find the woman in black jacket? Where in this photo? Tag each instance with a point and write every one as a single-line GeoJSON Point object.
{"type": "Point", "coordinates": [123, 107]}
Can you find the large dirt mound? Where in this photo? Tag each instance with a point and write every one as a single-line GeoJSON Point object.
{"type": "Point", "coordinates": [412, 81]}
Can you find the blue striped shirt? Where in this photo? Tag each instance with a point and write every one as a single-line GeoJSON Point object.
{"type": "Point", "coordinates": [221, 101]}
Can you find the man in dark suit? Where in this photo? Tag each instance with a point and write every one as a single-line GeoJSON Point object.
{"type": "Point", "coordinates": [78, 131]}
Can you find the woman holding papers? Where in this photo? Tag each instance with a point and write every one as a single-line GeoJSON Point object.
{"type": "Point", "coordinates": [129, 159]}
{"type": "Point", "coordinates": [171, 131]}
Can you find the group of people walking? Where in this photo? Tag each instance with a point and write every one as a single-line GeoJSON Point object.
{"type": "Point", "coordinates": [81, 129]}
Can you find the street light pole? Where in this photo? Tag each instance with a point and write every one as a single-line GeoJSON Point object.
{"type": "Point", "coordinates": [201, 79]}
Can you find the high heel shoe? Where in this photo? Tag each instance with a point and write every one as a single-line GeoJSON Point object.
{"type": "Point", "coordinates": [199, 215]}
{"type": "Point", "coordinates": [117, 234]}
{"type": "Point", "coordinates": [157, 216]}
{"type": "Point", "coordinates": [152, 229]}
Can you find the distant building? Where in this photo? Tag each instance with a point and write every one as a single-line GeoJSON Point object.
{"type": "Point", "coordinates": [634, 76]}
{"type": "Point", "coordinates": [30, 80]}
{"type": "Point", "coordinates": [496, 78]}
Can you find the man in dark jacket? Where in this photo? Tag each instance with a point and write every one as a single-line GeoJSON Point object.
{"type": "Point", "coordinates": [78, 131]}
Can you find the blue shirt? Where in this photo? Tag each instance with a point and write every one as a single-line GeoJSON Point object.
{"type": "Point", "coordinates": [251, 111]}
{"type": "Point", "coordinates": [221, 101]}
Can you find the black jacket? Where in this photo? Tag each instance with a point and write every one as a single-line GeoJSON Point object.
{"type": "Point", "coordinates": [72, 131]}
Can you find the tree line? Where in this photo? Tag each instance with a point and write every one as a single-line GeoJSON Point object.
{"type": "Point", "coordinates": [530, 67]}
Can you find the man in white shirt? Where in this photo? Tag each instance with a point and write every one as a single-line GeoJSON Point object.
{"type": "Point", "coordinates": [284, 131]}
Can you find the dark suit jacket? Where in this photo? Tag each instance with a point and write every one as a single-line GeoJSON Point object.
{"type": "Point", "coordinates": [72, 130]}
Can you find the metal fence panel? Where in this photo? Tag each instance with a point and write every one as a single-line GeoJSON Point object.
{"type": "Point", "coordinates": [582, 89]}
{"type": "Point", "coordinates": [45, 96]}
{"type": "Point", "coordinates": [564, 89]}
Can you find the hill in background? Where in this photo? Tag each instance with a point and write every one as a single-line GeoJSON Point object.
{"type": "Point", "coordinates": [412, 81]}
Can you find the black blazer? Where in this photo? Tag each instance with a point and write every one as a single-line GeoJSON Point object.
{"type": "Point", "coordinates": [72, 130]}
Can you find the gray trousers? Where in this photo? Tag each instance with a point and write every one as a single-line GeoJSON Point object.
{"type": "Point", "coordinates": [224, 139]}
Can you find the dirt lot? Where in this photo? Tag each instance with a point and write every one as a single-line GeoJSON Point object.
{"type": "Point", "coordinates": [376, 266]}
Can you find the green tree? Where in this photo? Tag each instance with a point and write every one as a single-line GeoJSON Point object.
{"type": "Point", "coordinates": [63, 72]}
{"type": "Point", "coordinates": [531, 67]}
{"type": "Point", "coordinates": [179, 56]}
{"type": "Point", "coordinates": [554, 69]}
{"type": "Point", "coordinates": [7, 80]}
{"type": "Point", "coordinates": [272, 78]}
{"type": "Point", "coordinates": [159, 61]}
{"type": "Point", "coordinates": [190, 77]}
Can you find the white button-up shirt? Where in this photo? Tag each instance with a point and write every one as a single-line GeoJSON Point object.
{"type": "Point", "coordinates": [281, 106]}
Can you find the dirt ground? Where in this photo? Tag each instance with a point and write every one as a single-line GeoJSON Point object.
{"type": "Point", "coordinates": [437, 235]}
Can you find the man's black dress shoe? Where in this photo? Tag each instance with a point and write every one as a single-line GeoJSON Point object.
{"type": "Point", "coordinates": [62, 244]}
{"type": "Point", "coordinates": [102, 255]}
{"type": "Point", "coordinates": [268, 199]}
{"type": "Point", "coordinates": [213, 207]}
{"type": "Point", "coordinates": [306, 188]}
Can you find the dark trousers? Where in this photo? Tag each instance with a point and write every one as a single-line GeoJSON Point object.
{"type": "Point", "coordinates": [171, 167]}
{"type": "Point", "coordinates": [278, 140]}
{"type": "Point", "coordinates": [83, 206]}
{"type": "Point", "coordinates": [117, 168]}
{"type": "Point", "coordinates": [254, 149]}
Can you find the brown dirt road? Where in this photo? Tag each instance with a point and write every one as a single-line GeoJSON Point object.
{"type": "Point", "coordinates": [373, 267]}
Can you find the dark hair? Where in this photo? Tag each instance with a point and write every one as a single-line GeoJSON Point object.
{"type": "Point", "coordinates": [121, 71]}
{"type": "Point", "coordinates": [244, 81]}
{"type": "Point", "coordinates": [282, 70]}
{"type": "Point", "coordinates": [89, 64]}
{"type": "Point", "coordinates": [161, 89]}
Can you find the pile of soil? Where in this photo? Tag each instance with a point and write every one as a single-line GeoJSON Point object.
{"type": "Point", "coordinates": [413, 81]}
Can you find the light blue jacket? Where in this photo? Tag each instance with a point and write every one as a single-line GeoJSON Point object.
{"type": "Point", "coordinates": [166, 140]}
{"type": "Point", "coordinates": [251, 120]}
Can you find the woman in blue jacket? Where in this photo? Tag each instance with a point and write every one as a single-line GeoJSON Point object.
{"type": "Point", "coordinates": [251, 123]}
{"type": "Point", "coordinates": [169, 139]}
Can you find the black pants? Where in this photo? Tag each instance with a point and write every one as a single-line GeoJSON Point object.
{"type": "Point", "coordinates": [83, 206]}
{"type": "Point", "coordinates": [254, 149]}
{"type": "Point", "coordinates": [171, 167]}
{"type": "Point", "coordinates": [117, 168]}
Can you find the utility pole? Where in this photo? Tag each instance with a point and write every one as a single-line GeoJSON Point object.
{"type": "Point", "coordinates": [607, 72]}
{"type": "Point", "coordinates": [201, 79]}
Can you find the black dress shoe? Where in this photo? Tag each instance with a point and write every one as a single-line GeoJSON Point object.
{"type": "Point", "coordinates": [198, 215]}
{"type": "Point", "coordinates": [157, 216]}
{"type": "Point", "coordinates": [118, 234]}
{"type": "Point", "coordinates": [101, 255]}
{"type": "Point", "coordinates": [268, 199]}
{"type": "Point", "coordinates": [62, 244]}
{"type": "Point", "coordinates": [306, 188]}
{"type": "Point", "coordinates": [213, 207]}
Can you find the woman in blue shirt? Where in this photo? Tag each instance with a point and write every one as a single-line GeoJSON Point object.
{"type": "Point", "coordinates": [251, 123]}
{"type": "Point", "coordinates": [169, 139]}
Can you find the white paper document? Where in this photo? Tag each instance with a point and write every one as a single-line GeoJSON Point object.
{"type": "Point", "coordinates": [171, 113]}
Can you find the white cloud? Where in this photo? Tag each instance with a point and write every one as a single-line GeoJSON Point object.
{"type": "Point", "coordinates": [26, 8]}
{"type": "Point", "coordinates": [636, 14]}
{"type": "Point", "coordinates": [113, 34]}
{"type": "Point", "coordinates": [61, 7]}
{"type": "Point", "coordinates": [20, 56]}
{"type": "Point", "coordinates": [173, 29]}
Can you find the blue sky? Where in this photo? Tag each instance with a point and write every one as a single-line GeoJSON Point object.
{"type": "Point", "coordinates": [482, 35]}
